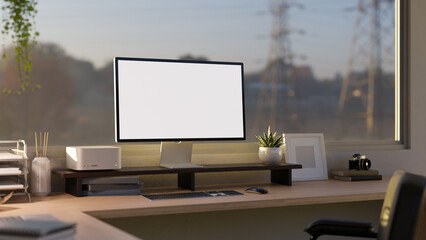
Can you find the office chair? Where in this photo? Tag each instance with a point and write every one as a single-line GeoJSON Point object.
{"type": "Point", "coordinates": [403, 214]}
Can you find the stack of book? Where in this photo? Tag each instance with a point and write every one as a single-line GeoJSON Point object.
{"type": "Point", "coordinates": [111, 186]}
{"type": "Point", "coordinates": [356, 175]}
{"type": "Point", "coordinates": [40, 227]}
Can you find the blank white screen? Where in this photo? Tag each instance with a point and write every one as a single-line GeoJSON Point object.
{"type": "Point", "coordinates": [173, 100]}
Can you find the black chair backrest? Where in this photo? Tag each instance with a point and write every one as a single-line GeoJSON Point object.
{"type": "Point", "coordinates": [402, 207]}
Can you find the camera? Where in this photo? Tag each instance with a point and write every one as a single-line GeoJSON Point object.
{"type": "Point", "coordinates": [359, 162]}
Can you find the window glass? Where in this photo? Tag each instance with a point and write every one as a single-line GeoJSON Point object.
{"type": "Point", "coordinates": [310, 65]}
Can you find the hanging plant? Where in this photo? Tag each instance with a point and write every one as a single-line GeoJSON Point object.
{"type": "Point", "coordinates": [18, 20]}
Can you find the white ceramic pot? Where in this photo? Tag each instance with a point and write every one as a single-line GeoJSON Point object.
{"type": "Point", "coordinates": [269, 155]}
{"type": "Point", "coordinates": [40, 176]}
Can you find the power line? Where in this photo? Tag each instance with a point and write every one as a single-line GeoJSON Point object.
{"type": "Point", "coordinates": [277, 81]}
{"type": "Point", "coordinates": [362, 96]}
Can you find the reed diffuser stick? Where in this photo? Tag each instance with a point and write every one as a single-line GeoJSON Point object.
{"type": "Point", "coordinates": [40, 146]}
{"type": "Point", "coordinates": [35, 134]}
{"type": "Point", "coordinates": [44, 143]}
{"type": "Point", "coordinates": [47, 141]}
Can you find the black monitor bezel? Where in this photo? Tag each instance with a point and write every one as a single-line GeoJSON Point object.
{"type": "Point", "coordinates": [116, 97]}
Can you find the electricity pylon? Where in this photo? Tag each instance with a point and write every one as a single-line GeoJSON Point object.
{"type": "Point", "coordinates": [361, 95]}
{"type": "Point", "coordinates": [277, 94]}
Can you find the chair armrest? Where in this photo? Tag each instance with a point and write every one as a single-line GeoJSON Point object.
{"type": "Point", "coordinates": [326, 226]}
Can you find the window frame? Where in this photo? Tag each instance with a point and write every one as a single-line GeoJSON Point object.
{"type": "Point", "coordinates": [402, 100]}
{"type": "Point", "coordinates": [402, 82]}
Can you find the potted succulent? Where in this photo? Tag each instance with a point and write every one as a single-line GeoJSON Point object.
{"type": "Point", "coordinates": [270, 151]}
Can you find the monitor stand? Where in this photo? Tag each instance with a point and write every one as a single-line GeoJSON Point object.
{"type": "Point", "coordinates": [176, 155]}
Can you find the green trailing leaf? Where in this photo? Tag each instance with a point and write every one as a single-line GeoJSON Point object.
{"type": "Point", "coordinates": [270, 139]}
{"type": "Point", "coordinates": [18, 21]}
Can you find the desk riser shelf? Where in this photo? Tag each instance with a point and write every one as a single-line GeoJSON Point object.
{"type": "Point", "coordinates": [280, 174]}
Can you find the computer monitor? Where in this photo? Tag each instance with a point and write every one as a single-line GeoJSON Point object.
{"type": "Point", "coordinates": [177, 102]}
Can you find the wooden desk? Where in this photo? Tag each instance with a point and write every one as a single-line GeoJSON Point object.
{"type": "Point", "coordinates": [86, 210]}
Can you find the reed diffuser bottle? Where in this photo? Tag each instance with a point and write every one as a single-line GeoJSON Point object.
{"type": "Point", "coordinates": [40, 169]}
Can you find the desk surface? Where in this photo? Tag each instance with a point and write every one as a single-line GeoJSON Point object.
{"type": "Point", "coordinates": [86, 210]}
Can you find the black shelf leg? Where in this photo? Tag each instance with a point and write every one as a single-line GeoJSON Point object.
{"type": "Point", "coordinates": [186, 181]}
{"type": "Point", "coordinates": [74, 186]}
{"type": "Point", "coordinates": [281, 176]}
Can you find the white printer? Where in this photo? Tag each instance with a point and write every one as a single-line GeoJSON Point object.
{"type": "Point", "coordinates": [93, 157]}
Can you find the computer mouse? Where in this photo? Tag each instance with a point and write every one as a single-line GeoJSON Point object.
{"type": "Point", "coordinates": [258, 190]}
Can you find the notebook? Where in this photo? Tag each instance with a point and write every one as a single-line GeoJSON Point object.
{"type": "Point", "coordinates": [42, 227]}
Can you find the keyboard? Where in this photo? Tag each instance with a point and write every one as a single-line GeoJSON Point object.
{"type": "Point", "coordinates": [165, 196]}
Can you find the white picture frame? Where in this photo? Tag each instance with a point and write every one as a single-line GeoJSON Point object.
{"type": "Point", "coordinates": [307, 149]}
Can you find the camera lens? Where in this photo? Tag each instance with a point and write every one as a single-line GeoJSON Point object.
{"type": "Point", "coordinates": [365, 164]}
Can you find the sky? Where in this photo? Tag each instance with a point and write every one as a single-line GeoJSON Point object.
{"type": "Point", "coordinates": [220, 30]}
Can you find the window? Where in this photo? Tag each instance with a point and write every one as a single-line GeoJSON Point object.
{"type": "Point", "coordinates": [310, 66]}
